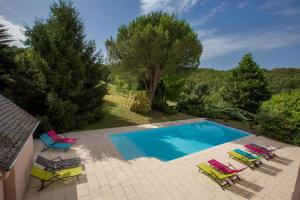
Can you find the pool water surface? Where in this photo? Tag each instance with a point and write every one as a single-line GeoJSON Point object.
{"type": "Point", "coordinates": [171, 142]}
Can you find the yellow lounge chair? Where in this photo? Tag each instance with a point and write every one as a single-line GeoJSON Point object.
{"type": "Point", "coordinates": [49, 177]}
{"type": "Point", "coordinates": [219, 177]}
{"type": "Point", "coordinates": [251, 162]}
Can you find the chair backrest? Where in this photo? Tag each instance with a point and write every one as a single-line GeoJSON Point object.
{"type": "Point", "coordinates": [219, 165]}
{"type": "Point", "coordinates": [255, 149]}
{"type": "Point", "coordinates": [237, 155]}
{"type": "Point", "coordinates": [46, 139]}
{"type": "Point", "coordinates": [244, 153]}
{"type": "Point", "coordinates": [53, 135]}
{"type": "Point", "coordinates": [49, 164]}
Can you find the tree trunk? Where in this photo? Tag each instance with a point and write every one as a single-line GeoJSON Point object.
{"type": "Point", "coordinates": [154, 80]}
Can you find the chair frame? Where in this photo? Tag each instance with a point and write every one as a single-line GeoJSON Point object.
{"type": "Point", "coordinates": [51, 146]}
{"type": "Point", "coordinates": [59, 167]}
{"type": "Point", "coordinates": [55, 178]}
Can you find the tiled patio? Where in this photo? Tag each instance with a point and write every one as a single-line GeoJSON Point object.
{"type": "Point", "coordinates": [108, 176]}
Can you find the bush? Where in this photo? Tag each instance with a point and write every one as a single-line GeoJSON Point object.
{"type": "Point", "coordinates": [123, 87]}
{"type": "Point", "coordinates": [280, 117]}
{"type": "Point", "coordinates": [165, 108]}
{"type": "Point", "coordinates": [138, 101]}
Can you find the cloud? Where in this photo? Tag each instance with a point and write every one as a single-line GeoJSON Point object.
{"type": "Point", "coordinates": [14, 30]}
{"type": "Point", "coordinates": [177, 6]}
{"type": "Point", "coordinates": [215, 46]}
{"type": "Point", "coordinates": [204, 18]}
{"type": "Point", "coordinates": [283, 8]}
{"type": "Point", "coordinates": [242, 4]}
{"type": "Point", "coordinates": [288, 12]}
{"type": "Point", "coordinates": [206, 33]}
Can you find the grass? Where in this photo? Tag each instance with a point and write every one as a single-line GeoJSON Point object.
{"type": "Point", "coordinates": [116, 114]}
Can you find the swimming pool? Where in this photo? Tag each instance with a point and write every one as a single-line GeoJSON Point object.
{"type": "Point", "coordinates": [171, 142]}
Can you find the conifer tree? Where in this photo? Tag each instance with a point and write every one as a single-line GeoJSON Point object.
{"type": "Point", "coordinates": [70, 67]}
{"type": "Point", "coordinates": [246, 87]}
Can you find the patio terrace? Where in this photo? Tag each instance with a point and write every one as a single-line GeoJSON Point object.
{"type": "Point", "coordinates": [108, 176]}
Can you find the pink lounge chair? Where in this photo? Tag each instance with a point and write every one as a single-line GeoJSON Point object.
{"type": "Point", "coordinates": [259, 151]}
{"type": "Point", "coordinates": [224, 168]}
{"type": "Point", "coordinates": [265, 147]}
{"type": "Point", "coordinates": [57, 138]}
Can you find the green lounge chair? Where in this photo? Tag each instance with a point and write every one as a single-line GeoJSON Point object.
{"type": "Point", "coordinates": [250, 162]}
{"type": "Point", "coordinates": [219, 177]}
{"type": "Point", "coordinates": [47, 177]}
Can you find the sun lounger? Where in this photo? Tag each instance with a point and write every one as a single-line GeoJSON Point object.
{"type": "Point", "coordinates": [48, 178]}
{"type": "Point", "coordinates": [225, 168]}
{"type": "Point", "coordinates": [57, 138]}
{"type": "Point", "coordinates": [57, 163]}
{"type": "Point", "coordinates": [258, 151]}
{"type": "Point", "coordinates": [268, 148]}
{"type": "Point", "coordinates": [250, 162]}
{"type": "Point", "coordinates": [49, 143]}
{"type": "Point", "coordinates": [248, 155]}
{"type": "Point", "coordinates": [219, 177]}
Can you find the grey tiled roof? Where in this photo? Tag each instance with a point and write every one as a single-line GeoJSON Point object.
{"type": "Point", "coordinates": [16, 125]}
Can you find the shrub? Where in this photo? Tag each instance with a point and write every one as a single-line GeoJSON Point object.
{"type": "Point", "coordinates": [124, 87]}
{"type": "Point", "coordinates": [165, 108]}
{"type": "Point", "coordinates": [280, 117]}
{"type": "Point", "coordinates": [138, 101]}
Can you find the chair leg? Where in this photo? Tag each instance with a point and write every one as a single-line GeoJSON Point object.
{"type": "Point", "coordinates": [222, 185]}
{"type": "Point", "coordinates": [237, 178]}
{"type": "Point", "coordinates": [42, 185]}
{"type": "Point", "coordinates": [44, 149]}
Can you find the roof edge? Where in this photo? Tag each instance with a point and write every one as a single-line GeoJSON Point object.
{"type": "Point", "coordinates": [8, 168]}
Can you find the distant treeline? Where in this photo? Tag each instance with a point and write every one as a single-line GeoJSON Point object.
{"type": "Point", "coordinates": [279, 79]}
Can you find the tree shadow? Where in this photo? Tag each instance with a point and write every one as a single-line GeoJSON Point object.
{"type": "Point", "coordinates": [109, 121]}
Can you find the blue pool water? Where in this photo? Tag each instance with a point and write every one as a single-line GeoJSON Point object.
{"type": "Point", "coordinates": [168, 143]}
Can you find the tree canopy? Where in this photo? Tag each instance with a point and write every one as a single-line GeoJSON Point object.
{"type": "Point", "coordinates": [246, 87]}
{"type": "Point", "coordinates": [151, 46]}
{"type": "Point", "coordinates": [5, 38]}
{"type": "Point", "coordinates": [69, 66]}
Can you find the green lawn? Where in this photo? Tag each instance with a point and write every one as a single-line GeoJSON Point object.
{"type": "Point", "coordinates": [117, 114]}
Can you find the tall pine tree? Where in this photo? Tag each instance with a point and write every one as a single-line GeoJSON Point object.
{"type": "Point", "coordinates": [70, 67]}
{"type": "Point", "coordinates": [246, 87]}
{"type": "Point", "coordinates": [6, 59]}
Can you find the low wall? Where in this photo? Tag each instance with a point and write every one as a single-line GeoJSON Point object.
{"type": "Point", "coordinates": [16, 184]}
{"type": "Point", "coordinates": [1, 191]}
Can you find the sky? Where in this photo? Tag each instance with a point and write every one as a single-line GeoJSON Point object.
{"type": "Point", "coordinates": [227, 29]}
